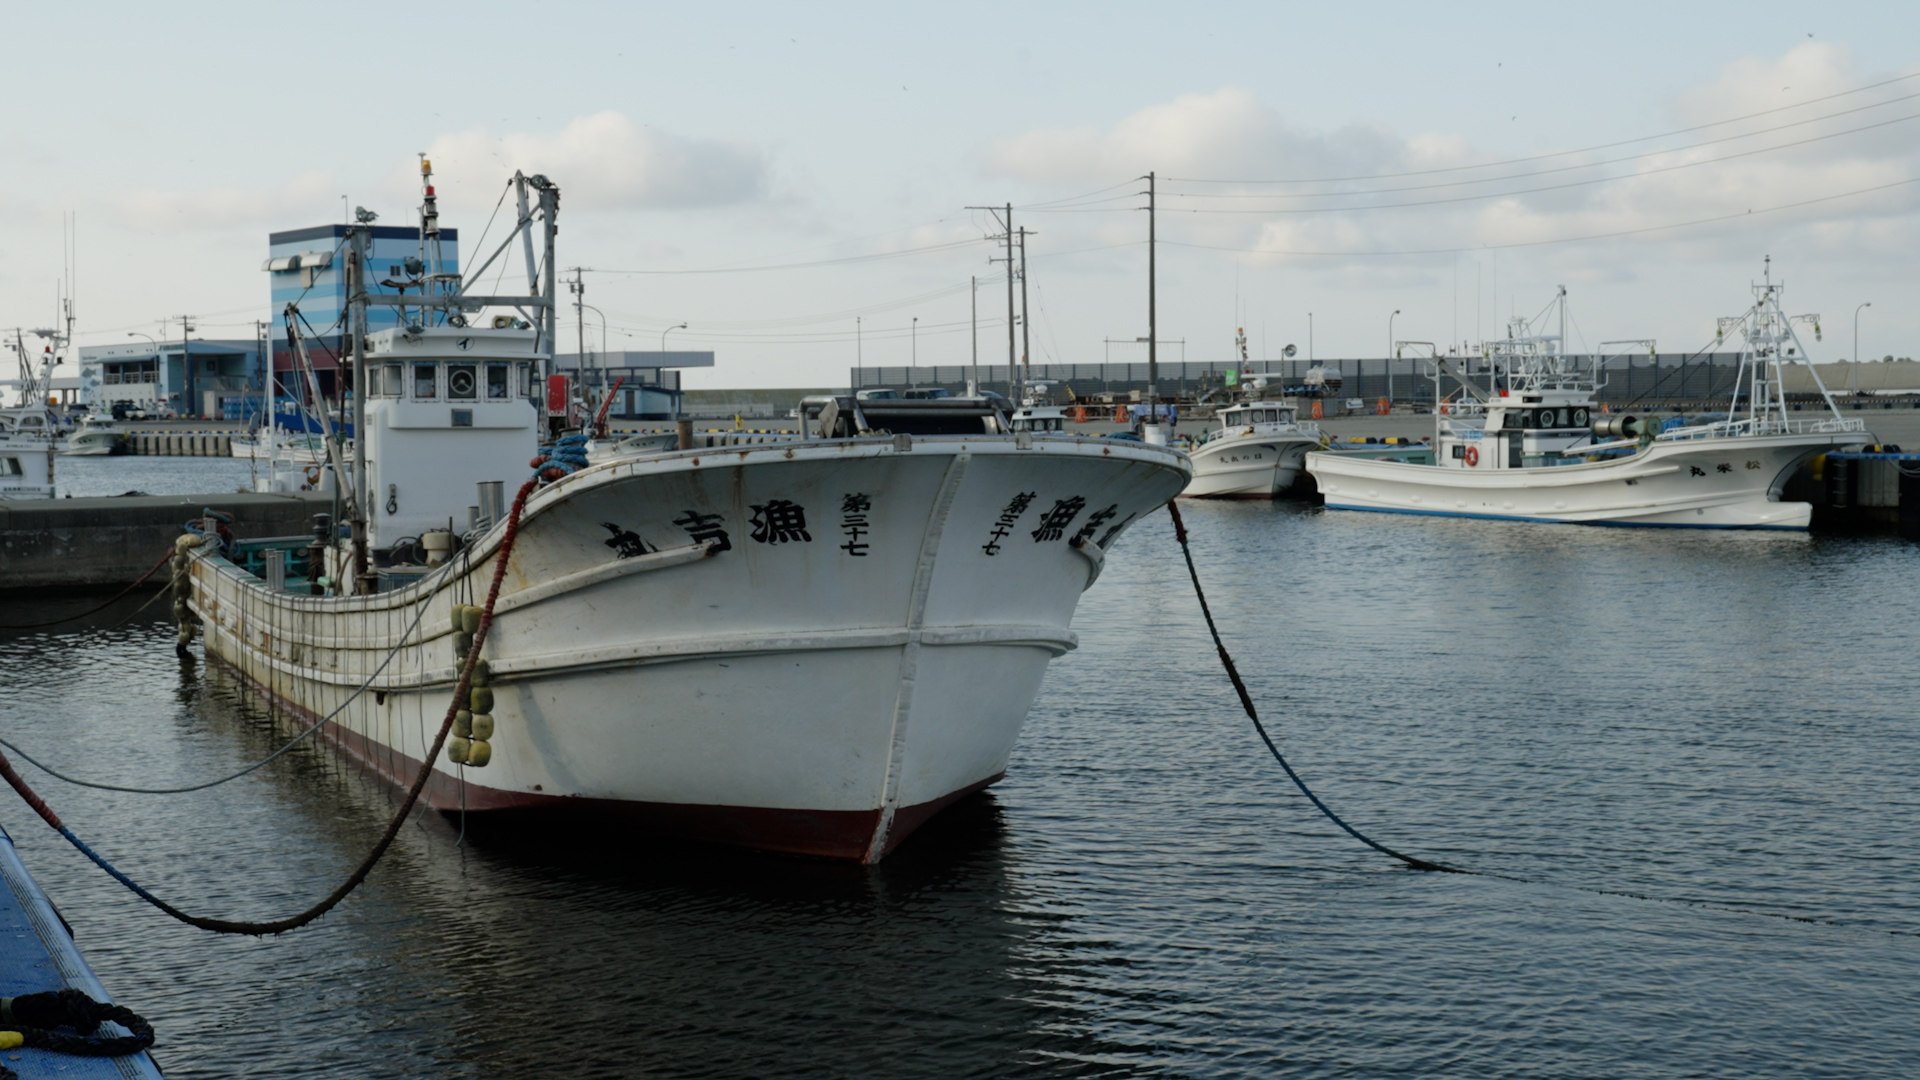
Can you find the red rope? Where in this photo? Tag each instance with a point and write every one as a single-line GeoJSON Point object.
{"type": "Point", "coordinates": [281, 926]}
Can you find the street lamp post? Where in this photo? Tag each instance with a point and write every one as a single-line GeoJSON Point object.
{"type": "Point", "coordinates": [914, 356]}
{"type": "Point", "coordinates": [1853, 369]}
{"type": "Point", "coordinates": [859, 361]}
{"type": "Point", "coordinates": [602, 360]}
{"type": "Point", "coordinates": [1390, 357]}
{"type": "Point", "coordinates": [663, 371]}
{"type": "Point", "coordinates": [1309, 339]}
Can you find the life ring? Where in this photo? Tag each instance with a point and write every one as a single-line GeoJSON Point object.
{"type": "Point", "coordinates": [1445, 408]}
{"type": "Point", "coordinates": [1472, 456]}
{"type": "Point", "coordinates": [313, 476]}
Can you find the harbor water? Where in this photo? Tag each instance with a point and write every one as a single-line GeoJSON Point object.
{"type": "Point", "coordinates": [1683, 762]}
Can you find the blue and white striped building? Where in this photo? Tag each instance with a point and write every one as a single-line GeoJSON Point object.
{"type": "Point", "coordinates": [308, 267]}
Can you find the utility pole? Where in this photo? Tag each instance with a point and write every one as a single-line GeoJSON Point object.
{"type": "Point", "coordinates": [1153, 328]}
{"type": "Point", "coordinates": [1026, 355]}
{"type": "Point", "coordinates": [973, 376]}
{"type": "Point", "coordinates": [578, 287]}
{"type": "Point", "coordinates": [1006, 224]}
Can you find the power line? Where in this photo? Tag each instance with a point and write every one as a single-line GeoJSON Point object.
{"type": "Point", "coordinates": [869, 257]}
{"type": "Point", "coordinates": [1560, 153]}
{"type": "Point", "coordinates": [1557, 240]}
{"type": "Point", "coordinates": [1271, 211]}
{"type": "Point", "coordinates": [1562, 168]}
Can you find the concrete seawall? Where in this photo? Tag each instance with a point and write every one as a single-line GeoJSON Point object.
{"type": "Point", "coordinates": [79, 545]}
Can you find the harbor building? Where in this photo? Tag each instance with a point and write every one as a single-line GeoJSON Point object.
{"type": "Point", "coordinates": [157, 378]}
{"type": "Point", "coordinates": [308, 267]}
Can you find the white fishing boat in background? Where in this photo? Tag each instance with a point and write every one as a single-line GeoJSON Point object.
{"type": "Point", "coordinates": [30, 429]}
{"type": "Point", "coordinates": [1258, 445]}
{"type": "Point", "coordinates": [1521, 437]}
{"type": "Point", "coordinates": [95, 436]}
{"type": "Point", "coordinates": [806, 643]}
{"type": "Point", "coordinates": [26, 464]}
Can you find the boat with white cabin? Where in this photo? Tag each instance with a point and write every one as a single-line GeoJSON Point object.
{"type": "Point", "coordinates": [804, 643]}
{"type": "Point", "coordinates": [1523, 437]}
{"type": "Point", "coordinates": [95, 436]}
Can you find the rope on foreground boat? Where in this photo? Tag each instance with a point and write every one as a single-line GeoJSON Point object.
{"type": "Point", "coordinates": [144, 578]}
{"type": "Point", "coordinates": [294, 922]}
{"type": "Point", "coordinates": [1246, 702]}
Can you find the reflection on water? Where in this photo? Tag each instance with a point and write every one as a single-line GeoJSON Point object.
{"type": "Point", "coordinates": [1718, 721]}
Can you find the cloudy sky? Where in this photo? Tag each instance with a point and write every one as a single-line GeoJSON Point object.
{"type": "Point", "coordinates": [793, 180]}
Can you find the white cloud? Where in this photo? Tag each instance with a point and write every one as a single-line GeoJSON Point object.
{"type": "Point", "coordinates": [604, 161]}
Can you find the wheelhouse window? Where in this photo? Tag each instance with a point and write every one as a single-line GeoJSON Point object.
{"type": "Point", "coordinates": [498, 385]}
{"type": "Point", "coordinates": [462, 382]}
{"type": "Point", "coordinates": [391, 383]}
{"type": "Point", "coordinates": [425, 381]}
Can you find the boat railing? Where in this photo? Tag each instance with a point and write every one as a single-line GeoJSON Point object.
{"type": "Point", "coordinates": [1774, 425]}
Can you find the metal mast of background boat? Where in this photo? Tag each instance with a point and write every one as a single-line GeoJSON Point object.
{"type": "Point", "coordinates": [357, 287]}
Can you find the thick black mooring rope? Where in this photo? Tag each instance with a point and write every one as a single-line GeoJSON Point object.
{"type": "Point", "coordinates": [1246, 702]}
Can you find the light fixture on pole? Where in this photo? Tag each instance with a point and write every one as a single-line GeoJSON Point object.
{"type": "Point", "coordinates": [1390, 356]}
{"type": "Point", "coordinates": [1853, 369]}
{"type": "Point", "coordinates": [664, 333]}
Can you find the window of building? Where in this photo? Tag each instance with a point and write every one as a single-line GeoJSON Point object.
{"type": "Point", "coordinates": [425, 381]}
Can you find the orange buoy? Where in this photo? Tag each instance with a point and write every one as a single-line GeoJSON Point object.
{"type": "Point", "coordinates": [1316, 410]}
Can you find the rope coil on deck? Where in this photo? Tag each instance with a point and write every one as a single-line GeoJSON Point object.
{"type": "Point", "coordinates": [36, 1020]}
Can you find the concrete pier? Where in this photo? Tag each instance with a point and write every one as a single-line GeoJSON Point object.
{"type": "Point", "coordinates": [77, 545]}
{"type": "Point", "coordinates": [181, 443]}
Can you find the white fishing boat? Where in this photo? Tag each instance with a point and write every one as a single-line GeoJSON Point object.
{"type": "Point", "coordinates": [26, 464]}
{"type": "Point", "coordinates": [1255, 451]}
{"type": "Point", "coordinates": [1523, 439]}
{"type": "Point", "coordinates": [30, 429]}
{"type": "Point", "coordinates": [95, 436]}
{"type": "Point", "coordinates": [805, 644]}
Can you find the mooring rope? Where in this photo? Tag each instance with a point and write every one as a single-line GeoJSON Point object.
{"type": "Point", "coordinates": [281, 926]}
{"type": "Point", "coordinates": [152, 570]}
{"type": "Point", "coordinates": [419, 612]}
{"type": "Point", "coordinates": [1246, 702]}
{"type": "Point", "coordinates": [36, 1020]}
